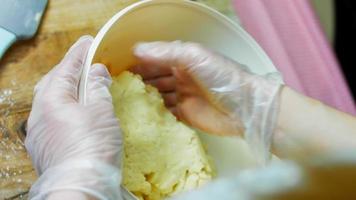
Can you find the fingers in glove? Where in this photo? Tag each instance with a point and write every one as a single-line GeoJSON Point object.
{"type": "Point", "coordinates": [207, 67]}
{"type": "Point", "coordinates": [167, 54]}
{"type": "Point", "coordinates": [64, 78]}
{"type": "Point", "coordinates": [174, 111]}
{"type": "Point", "coordinates": [99, 82]}
{"type": "Point", "coordinates": [151, 72]}
{"type": "Point", "coordinates": [170, 99]}
{"type": "Point", "coordinates": [163, 84]}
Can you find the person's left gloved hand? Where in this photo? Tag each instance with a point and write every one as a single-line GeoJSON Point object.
{"type": "Point", "coordinates": [74, 147]}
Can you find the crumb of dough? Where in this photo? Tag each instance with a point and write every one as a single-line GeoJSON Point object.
{"type": "Point", "coordinates": [162, 156]}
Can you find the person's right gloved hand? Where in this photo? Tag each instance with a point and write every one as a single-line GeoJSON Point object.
{"type": "Point", "coordinates": [278, 180]}
{"type": "Point", "coordinates": [211, 92]}
{"type": "Point", "coordinates": [74, 147]}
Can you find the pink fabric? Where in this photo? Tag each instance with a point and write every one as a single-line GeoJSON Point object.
{"type": "Point", "coordinates": [290, 34]}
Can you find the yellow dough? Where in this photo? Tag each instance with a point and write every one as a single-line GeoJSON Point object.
{"type": "Point", "coordinates": [161, 156]}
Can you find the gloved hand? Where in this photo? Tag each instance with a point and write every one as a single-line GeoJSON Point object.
{"type": "Point", "coordinates": [211, 92]}
{"type": "Point", "coordinates": [74, 147]}
{"type": "Point", "coordinates": [278, 180]}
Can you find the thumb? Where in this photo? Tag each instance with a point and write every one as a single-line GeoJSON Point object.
{"type": "Point", "coordinates": [99, 82]}
{"type": "Point", "coordinates": [61, 83]}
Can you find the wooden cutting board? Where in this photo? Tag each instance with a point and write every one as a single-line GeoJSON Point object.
{"type": "Point", "coordinates": [26, 62]}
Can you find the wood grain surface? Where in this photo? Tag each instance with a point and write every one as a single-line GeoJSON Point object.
{"type": "Point", "coordinates": [27, 61]}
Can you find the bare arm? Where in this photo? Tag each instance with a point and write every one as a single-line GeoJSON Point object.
{"type": "Point", "coordinates": [308, 127]}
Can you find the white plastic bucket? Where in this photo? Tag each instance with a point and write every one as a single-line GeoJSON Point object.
{"type": "Point", "coordinates": [169, 20]}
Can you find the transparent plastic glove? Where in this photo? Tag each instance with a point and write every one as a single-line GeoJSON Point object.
{"type": "Point", "coordinates": [74, 147]}
{"type": "Point", "coordinates": [263, 183]}
{"type": "Point", "coordinates": [211, 92]}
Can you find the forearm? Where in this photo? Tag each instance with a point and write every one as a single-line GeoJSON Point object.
{"type": "Point", "coordinates": [308, 127]}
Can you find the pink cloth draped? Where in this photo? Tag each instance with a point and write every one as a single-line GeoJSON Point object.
{"type": "Point", "coordinates": [289, 32]}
